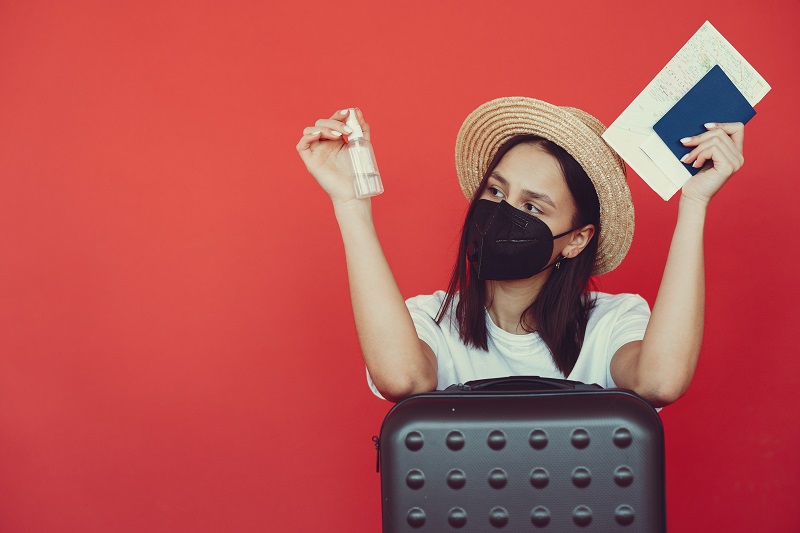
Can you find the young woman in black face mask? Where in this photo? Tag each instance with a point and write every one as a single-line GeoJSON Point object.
{"type": "Point", "coordinates": [549, 208]}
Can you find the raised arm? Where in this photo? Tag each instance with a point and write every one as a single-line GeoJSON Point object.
{"type": "Point", "coordinates": [399, 363]}
{"type": "Point", "coordinates": [661, 366]}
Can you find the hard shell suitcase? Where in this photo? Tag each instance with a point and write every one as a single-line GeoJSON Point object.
{"type": "Point", "coordinates": [496, 455]}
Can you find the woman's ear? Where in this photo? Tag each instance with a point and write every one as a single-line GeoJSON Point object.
{"type": "Point", "coordinates": [580, 238]}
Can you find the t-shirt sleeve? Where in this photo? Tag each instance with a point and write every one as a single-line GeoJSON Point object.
{"type": "Point", "coordinates": [629, 326]}
{"type": "Point", "coordinates": [423, 310]}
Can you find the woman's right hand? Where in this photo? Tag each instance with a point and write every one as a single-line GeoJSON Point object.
{"type": "Point", "coordinates": [398, 362]}
{"type": "Point", "coordinates": [323, 150]}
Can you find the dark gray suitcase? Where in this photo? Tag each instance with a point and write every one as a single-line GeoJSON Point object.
{"type": "Point", "coordinates": [498, 456]}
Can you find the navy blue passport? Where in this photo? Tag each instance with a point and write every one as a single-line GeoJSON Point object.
{"type": "Point", "coordinates": [713, 99]}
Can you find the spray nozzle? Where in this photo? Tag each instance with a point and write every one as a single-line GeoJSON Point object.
{"type": "Point", "coordinates": [352, 123]}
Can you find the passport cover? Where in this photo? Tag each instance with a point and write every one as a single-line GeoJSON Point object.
{"type": "Point", "coordinates": [713, 99]}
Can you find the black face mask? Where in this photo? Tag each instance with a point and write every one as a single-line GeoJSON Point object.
{"type": "Point", "coordinates": [505, 243]}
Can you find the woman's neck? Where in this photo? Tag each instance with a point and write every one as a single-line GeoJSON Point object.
{"type": "Point", "coordinates": [506, 301]}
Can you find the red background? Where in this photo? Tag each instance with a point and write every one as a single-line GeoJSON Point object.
{"type": "Point", "coordinates": [177, 351]}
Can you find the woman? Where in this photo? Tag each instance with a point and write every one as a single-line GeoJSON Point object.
{"type": "Point", "coordinates": [549, 208]}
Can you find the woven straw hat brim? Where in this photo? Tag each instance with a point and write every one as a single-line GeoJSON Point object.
{"type": "Point", "coordinates": [487, 128]}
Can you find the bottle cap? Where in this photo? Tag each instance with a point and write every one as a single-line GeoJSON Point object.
{"type": "Point", "coordinates": [352, 122]}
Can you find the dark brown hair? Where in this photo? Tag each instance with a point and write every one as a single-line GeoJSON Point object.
{"type": "Point", "coordinates": [561, 310]}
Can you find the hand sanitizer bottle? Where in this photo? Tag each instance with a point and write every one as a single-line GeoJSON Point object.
{"type": "Point", "coordinates": [366, 178]}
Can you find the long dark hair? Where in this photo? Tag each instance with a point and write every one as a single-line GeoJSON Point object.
{"type": "Point", "coordinates": [561, 309]}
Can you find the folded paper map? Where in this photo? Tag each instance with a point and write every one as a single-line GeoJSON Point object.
{"type": "Point", "coordinates": [633, 134]}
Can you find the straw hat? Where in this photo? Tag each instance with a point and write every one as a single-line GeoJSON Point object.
{"type": "Point", "coordinates": [487, 128]}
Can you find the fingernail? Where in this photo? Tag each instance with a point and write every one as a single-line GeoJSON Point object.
{"type": "Point", "coordinates": [336, 133]}
{"type": "Point", "coordinates": [343, 112]}
{"type": "Point", "coordinates": [348, 129]}
{"type": "Point", "coordinates": [685, 140]}
{"type": "Point", "coordinates": [710, 125]}
{"type": "Point", "coordinates": [316, 132]}
{"type": "Point", "coordinates": [684, 158]}
{"type": "Point", "coordinates": [696, 163]}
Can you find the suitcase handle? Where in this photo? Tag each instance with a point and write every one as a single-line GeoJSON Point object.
{"type": "Point", "coordinates": [524, 383]}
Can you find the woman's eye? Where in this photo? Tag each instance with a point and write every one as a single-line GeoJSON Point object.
{"type": "Point", "coordinates": [494, 191]}
{"type": "Point", "coordinates": [530, 208]}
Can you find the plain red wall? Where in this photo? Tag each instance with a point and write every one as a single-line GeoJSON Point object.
{"type": "Point", "coordinates": [177, 352]}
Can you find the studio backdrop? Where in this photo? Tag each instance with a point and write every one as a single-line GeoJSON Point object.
{"type": "Point", "coordinates": [177, 348]}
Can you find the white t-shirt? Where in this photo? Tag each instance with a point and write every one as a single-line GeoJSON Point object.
{"type": "Point", "coordinates": [616, 320]}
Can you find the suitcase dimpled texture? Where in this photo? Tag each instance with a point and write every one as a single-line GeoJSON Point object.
{"type": "Point", "coordinates": [554, 460]}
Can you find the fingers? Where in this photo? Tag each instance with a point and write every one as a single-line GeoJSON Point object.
{"type": "Point", "coordinates": [313, 134]}
{"type": "Point", "coordinates": [323, 129]}
{"type": "Point", "coordinates": [716, 144]}
{"type": "Point", "coordinates": [326, 132]}
{"type": "Point", "coordinates": [308, 138]}
{"type": "Point", "coordinates": [344, 113]}
{"type": "Point", "coordinates": [734, 129]}
{"type": "Point", "coordinates": [703, 152]}
{"type": "Point", "coordinates": [724, 160]}
{"type": "Point", "coordinates": [332, 128]}
{"type": "Point", "coordinates": [341, 115]}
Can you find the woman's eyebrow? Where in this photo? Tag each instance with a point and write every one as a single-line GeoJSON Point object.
{"type": "Point", "coordinates": [525, 192]}
{"type": "Point", "coordinates": [539, 196]}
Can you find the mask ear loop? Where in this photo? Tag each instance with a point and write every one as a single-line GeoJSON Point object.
{"type": "Point", "coordinates": [557, 262]}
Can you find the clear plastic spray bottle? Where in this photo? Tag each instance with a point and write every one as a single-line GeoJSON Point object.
{"type": "Point", "coordinates": [366, 178]}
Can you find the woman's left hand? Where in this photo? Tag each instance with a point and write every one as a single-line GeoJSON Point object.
{"type": "Point", "coordinates": [720, 150]}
